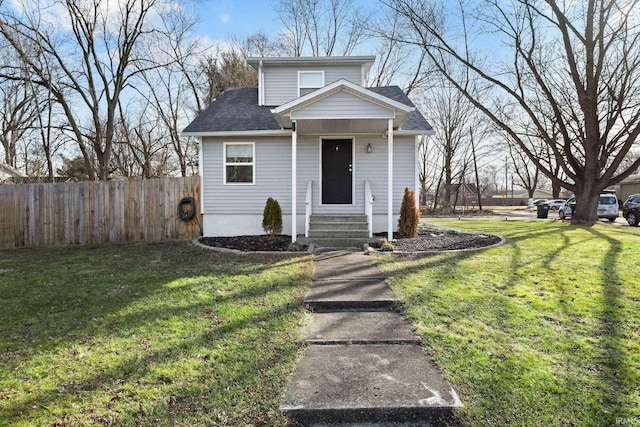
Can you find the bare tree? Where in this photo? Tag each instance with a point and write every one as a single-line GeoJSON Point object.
{"type": "Point", "coordinates": [18, 114]}
{"type": "Point", "coordinates": [140, 147]}
{"type": "Point", "coordinates": [423, 172]}
{"type": "Point", "coordinates": [455, 118]}
{"type": "Point", "coordinates": [398, 63]}
{"type": "Point", "coordinates": [85, 53]}
{"type": "Point", "coordinates": [224, 70]}
{"type": "Point", "coordinates": [528, 174]}
{"type": "Point", "coordinates": [322, 27]}
{"type": "Point", "coordinates": [578, 60]}
{"type": "Point", "coordinates": [261, 44]}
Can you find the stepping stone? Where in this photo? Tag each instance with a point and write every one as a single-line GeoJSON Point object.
{"type": "Point", "coordinates": [350, 295]}
{"type": "Point", "coordinates": [375, 327]}
{"type": "Point", "coordinates": [367, 383]}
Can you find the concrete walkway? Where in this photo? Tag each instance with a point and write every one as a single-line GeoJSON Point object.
{"type": "Point", "coordinates": [362, 364]}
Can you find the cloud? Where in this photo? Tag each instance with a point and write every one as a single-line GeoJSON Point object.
{"type": "Point", "coordinates": [224, 18]}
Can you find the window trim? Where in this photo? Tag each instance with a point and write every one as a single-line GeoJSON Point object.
{"type": "Point", "coordinates": [321, 72]}
{"type": "Point", "coordinates": [225, 163]}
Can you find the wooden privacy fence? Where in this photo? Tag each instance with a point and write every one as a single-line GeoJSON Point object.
{"type": "Point", "coordinates": [97, 212]}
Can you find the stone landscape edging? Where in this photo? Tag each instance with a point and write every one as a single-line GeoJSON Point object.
{"type": "Point", "coordinates": [368, 249]}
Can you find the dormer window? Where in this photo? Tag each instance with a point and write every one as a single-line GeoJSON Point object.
{"type": "Point", "coordinates": [308, 81]}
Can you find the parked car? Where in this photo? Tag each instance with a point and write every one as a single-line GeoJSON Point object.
{"type": "Point", "coordinates": [554, 204]}
{"type": "Point", "coordinates": [631, 209]}
{"type": "Point", "coordinates": [537, 202]}
{"type": "Point", "coordinates": [607, 207]}
{"type": "Point", "coordinates": [567, 208]}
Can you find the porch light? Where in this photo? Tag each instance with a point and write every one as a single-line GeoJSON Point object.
{"type": "Point", "coordinates": [368, 148]}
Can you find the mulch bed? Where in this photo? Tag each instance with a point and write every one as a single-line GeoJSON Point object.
{"type": "Point", "coordinates": [427, 240]}
{"type": "Point", "coordinates": [250, 243]}
{"type": "Point", "coordinates": [443, 240]}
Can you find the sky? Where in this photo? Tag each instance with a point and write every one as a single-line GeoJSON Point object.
{"type": "Point", "coordinates": [221, 20]}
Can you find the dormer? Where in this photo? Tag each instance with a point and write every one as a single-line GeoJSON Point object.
{"type": "Point", "coordinates": [281, 80]}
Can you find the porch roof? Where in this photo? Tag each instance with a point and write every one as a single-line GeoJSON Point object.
{"type": "Point", "coordinates": [237, 111]}
{"type": "Point", "coordinates": [342, 107]}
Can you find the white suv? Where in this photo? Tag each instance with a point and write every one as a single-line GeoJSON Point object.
{"type": "Point", "coordinates": [607, 207]}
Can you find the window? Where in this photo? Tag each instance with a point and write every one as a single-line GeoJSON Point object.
{"type": "Point", "coordinates": [239, 162]}
{"type": "Point", "coordinates": [308, 81]}
{"type": "Point", "coordinates": [607, 200]}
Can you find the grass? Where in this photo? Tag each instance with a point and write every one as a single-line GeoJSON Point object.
{"type": "Point", "coordinates": [148, 335]}
{"type": "Point", "coordinates": [542, 331]}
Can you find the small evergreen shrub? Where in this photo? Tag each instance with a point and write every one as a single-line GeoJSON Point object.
{"type": "Point", "coordinates": [386, 246]}
{"type": "Point", "coordinates": [272, 217]}
{"type": "Point", "coordinates": [409, 215]}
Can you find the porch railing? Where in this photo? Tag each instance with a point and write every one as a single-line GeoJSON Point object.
{"type": "Point", "coordinates": [368, 206]}
{"type": "Point", "coordinates": [308, 202]}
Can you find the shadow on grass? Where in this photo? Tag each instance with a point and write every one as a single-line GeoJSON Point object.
{"type": "Point", "coordinates": [498, 373]}
{"type": "Point", "coordinates": [616, 372]}
{"type": "Point", "coordinates": [86, 322]}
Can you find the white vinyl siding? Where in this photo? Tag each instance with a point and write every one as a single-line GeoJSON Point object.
{"type": "Point", "coordinates": [342, 105]}
{"type": "Point", "coordinates": [281, 82]}
{"type": "Point", "coordinates": [272, 178]}
{"type": "Point", "coordinates": [273, 175]}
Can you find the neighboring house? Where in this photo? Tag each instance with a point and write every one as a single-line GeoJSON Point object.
{"type": "Point", "coordinates": [627, 187]}
{"type": "Point", "coordinates": [463, 194]}
{"type": "Point", "coordinates": [349, 150]}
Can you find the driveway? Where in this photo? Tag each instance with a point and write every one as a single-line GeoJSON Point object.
{"type": "Point", "coordinates": [527, 214]}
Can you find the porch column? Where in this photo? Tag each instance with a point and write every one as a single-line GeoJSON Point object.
{"type": "Point", "coordinates": [390, 180]}
{"type": "Point", "coordinates": [294, 180]}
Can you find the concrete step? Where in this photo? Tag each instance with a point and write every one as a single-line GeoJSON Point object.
{"type": "Point", "coordinates": [367, 383]}
{"type": "Point", "coordinates": [354, 294]}
{"type": "Point", "coordinates": [351, 234]}
{"type": "Point", "coordinates": [337, 218]}
{"type": "Point", "coordinates": [364, 226]}
{"type": "Point", "coordinates": [368, 327]}
{"type": "Point", "coordinates": [338, 242]}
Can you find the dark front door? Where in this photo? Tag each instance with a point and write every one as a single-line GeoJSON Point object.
{"type": "Point", "coordinates": [337, 170]}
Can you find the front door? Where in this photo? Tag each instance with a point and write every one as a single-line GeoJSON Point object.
{"type": "Point", "coordinates": [337, 171]}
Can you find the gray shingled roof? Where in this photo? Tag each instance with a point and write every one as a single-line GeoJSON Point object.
{"type": "Point", "coordinates": [238, 110]}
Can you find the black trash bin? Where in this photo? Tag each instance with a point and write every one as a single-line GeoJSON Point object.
{"type": "Point", "coordinates": [543, 211]}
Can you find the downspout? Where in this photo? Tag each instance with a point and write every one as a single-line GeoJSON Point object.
{"type": "Point", "coordinates": [294, 180]}
{"type": "Point", "coordinates": [201, 173]}
{"type": "Point", "coordinates": [260, 84]}
{"type": "Point", "coordinates": [418, 187]}
{"type": "Point", "coordinates": [390, 180]}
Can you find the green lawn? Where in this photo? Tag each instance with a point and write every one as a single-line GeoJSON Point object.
{"type": "Point", "coordinates": [542, 331]}
{"type": "Point", "coordinates": [151, 335]}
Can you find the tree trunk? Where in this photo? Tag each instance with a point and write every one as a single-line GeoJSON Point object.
{"type": "Point", "coordinates": [555, 188]}
{"type": "Point", "coordinates": [586, 206]}
{"type": "Point", "coordinates": [475, 168]}
{"type": "Point", "coordinates": [447, 184]}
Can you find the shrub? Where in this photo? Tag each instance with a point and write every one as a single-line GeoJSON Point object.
{"type": "Point", "coordinates": [409, 215]}
{"type": "Point", "coordinates": [272, 217]}
{"type": "Point", "coordinates": [385, 246]}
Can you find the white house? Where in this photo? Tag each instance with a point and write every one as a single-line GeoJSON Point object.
{"type": "Point", "coordinates": [312, 137]}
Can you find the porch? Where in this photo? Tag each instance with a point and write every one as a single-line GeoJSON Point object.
{"type": "Point", "coordinates": [337, 115]}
